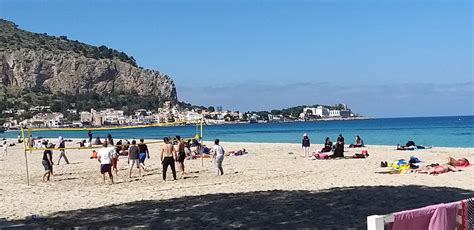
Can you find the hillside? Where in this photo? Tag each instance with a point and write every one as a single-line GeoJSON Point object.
{"type": "Point", "coordinates": [39, 66]}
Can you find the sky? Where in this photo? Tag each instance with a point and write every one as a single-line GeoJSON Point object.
{"type": "Point", "coordinates": [384, 58]}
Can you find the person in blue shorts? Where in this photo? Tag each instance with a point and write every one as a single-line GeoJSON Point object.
{"type": "Point", "coordinates": [144, 153]}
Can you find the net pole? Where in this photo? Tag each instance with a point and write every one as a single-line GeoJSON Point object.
{"type": "Point", "coordinates": [29, 140]}
{"type": "Point", "coordinates": [202, 142]}
{"type": "Point", "coordinates": [26, 157]}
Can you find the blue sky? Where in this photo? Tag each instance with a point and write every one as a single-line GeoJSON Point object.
{"type": "Point", "coordinates": [384, 58]}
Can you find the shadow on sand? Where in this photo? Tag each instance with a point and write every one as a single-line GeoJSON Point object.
{"type": "Point", "coordinates": [336, 208]}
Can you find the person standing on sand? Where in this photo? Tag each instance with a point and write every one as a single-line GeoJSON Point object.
{"type": "Point", "coordinates": [181, 154]}
{"type": "Point", "coordinates": [110, 140]}
{"type": "Point", "coordinates": [89, 133]}
{"type": "Point", "coordinates": [218, 157]}
{"type": "Point", "coordinates": [144, 153]}
{"type": "Point", "coordinates": [62, 151]}
{"type": "Point", "coordinates": [105, 160]}
{"type": "Point", "coordinates": [48, 162]}
{"type": "Point", "coordinates": [168, 156]}
{"type": "Point", "coordinates": [5, 148]}
{"type": "Point", "coordinates": [133, 154]}
{"type": "Point", "coordinates": [115, 156]}
{"type": "Point", "coordinates": [305, 144]}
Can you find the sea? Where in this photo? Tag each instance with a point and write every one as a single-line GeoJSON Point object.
{"type": "Point", "coordinates": [453, 131]}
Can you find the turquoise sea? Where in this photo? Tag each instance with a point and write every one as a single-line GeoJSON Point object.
{"type": "Point", "coordinates": [455, 131]}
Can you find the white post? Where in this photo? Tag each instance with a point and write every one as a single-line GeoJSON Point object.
{"type": "Point", "coordinates": [375, 222]}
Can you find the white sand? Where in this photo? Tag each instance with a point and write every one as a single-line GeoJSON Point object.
{"type": "Point", "coordinates": [267, 167]}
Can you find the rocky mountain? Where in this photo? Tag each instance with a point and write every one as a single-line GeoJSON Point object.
{"type": "Point", "coordinates": [42, 63]}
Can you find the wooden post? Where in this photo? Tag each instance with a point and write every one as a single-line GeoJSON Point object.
{"type": "Point", "coordinates": [26, 157]}
{"type": "Point", "coordinates": [202, 142]}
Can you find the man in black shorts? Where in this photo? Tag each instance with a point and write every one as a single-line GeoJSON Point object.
{"type": "Point", "coordinates": [48, 162]}
{"type": "Point", "coordinates": [181, 154]}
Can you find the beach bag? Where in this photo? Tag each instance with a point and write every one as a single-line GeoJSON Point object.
{"type": "Point", "coordinates": [321, 155]}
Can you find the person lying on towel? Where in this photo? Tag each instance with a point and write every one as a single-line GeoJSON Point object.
{"type": "Point", "coordinates": [410, 145]}
{"type": "Point", "coordinates": [437, 169]}
{"type": "Point", "coordinates": [463, 162]}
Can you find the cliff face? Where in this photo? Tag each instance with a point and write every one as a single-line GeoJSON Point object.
{"type": "Point", "coordinates": [42, 62]}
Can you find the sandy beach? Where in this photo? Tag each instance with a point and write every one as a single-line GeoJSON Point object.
{"type": "Point", "coordinates": [266, 188]}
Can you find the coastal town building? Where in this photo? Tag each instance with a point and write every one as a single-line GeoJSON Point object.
{"type": "Point", "coordinates": [166, 114]}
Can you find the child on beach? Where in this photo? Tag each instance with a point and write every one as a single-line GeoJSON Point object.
{"type": "Point", "coordinates": [5, 147]}
{"type": "Point", "coordinates": [305, 144]}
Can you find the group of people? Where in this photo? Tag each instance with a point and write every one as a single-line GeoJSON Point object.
{"type": "Point", "coordinates": [414, 165]}
{"type": "Point", "coordinates": [172, 153]}
{"type": "Point", "coordinates": [48, 156]}
{"type": "Point", "coordinates": [337, 149]}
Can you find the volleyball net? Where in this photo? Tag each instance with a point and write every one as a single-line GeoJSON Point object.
{"type": "Point", "coordinates": [31, 141]}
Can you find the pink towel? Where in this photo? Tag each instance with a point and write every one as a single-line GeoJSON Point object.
{"type": "Point", "coordinates": [434, 217]}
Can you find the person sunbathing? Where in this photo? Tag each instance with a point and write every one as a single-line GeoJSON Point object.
{"type": "Point", "coordinates": [238, 152]}
{"type": "Point", "coordinates": [463, 162]}
{"type": "Point", "coordinates": [437, 169]}
{"type": "Point", "coordinates": [410, 145]}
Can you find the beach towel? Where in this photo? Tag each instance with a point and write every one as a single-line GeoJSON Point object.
{"type": "Point", "coordinates": [434, 217]}
{"type": "Point", "coordinates": [465, 215]}
{"type": "Point", "coordinates": [321, 155]}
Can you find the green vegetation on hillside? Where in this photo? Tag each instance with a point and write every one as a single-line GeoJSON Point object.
{"type": "Point", "coordinates": [12, 38]}
{"type": "Point", "coordinates": [17, 98]}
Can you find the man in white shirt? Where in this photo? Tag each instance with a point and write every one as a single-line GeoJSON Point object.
{"type": "Point", "coordinates": [218, 157]}
{"type": "Point", "coordinates": [105, 159]}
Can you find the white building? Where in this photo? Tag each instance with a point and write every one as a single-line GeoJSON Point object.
{"type": "Point", "coordinates": [53, 120]}
{"type": "Point", "coordinates": [308, 109]}
{"type": "Point", "coordinates": [321, 111]}
{"type": "Point", "coordinates": [193, 116]}
{"type": "Point", "coordinates": [334, 113]}
{"type": "Point", "coordinates": [86, 117]}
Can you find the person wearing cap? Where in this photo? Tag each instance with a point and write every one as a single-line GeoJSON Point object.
{"type": "Point", "coordinates": [305, 144]}
{"type": "Point", "coordinates": [62, 151]}
{"type": "Point", "coordinates": [48, 162]}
